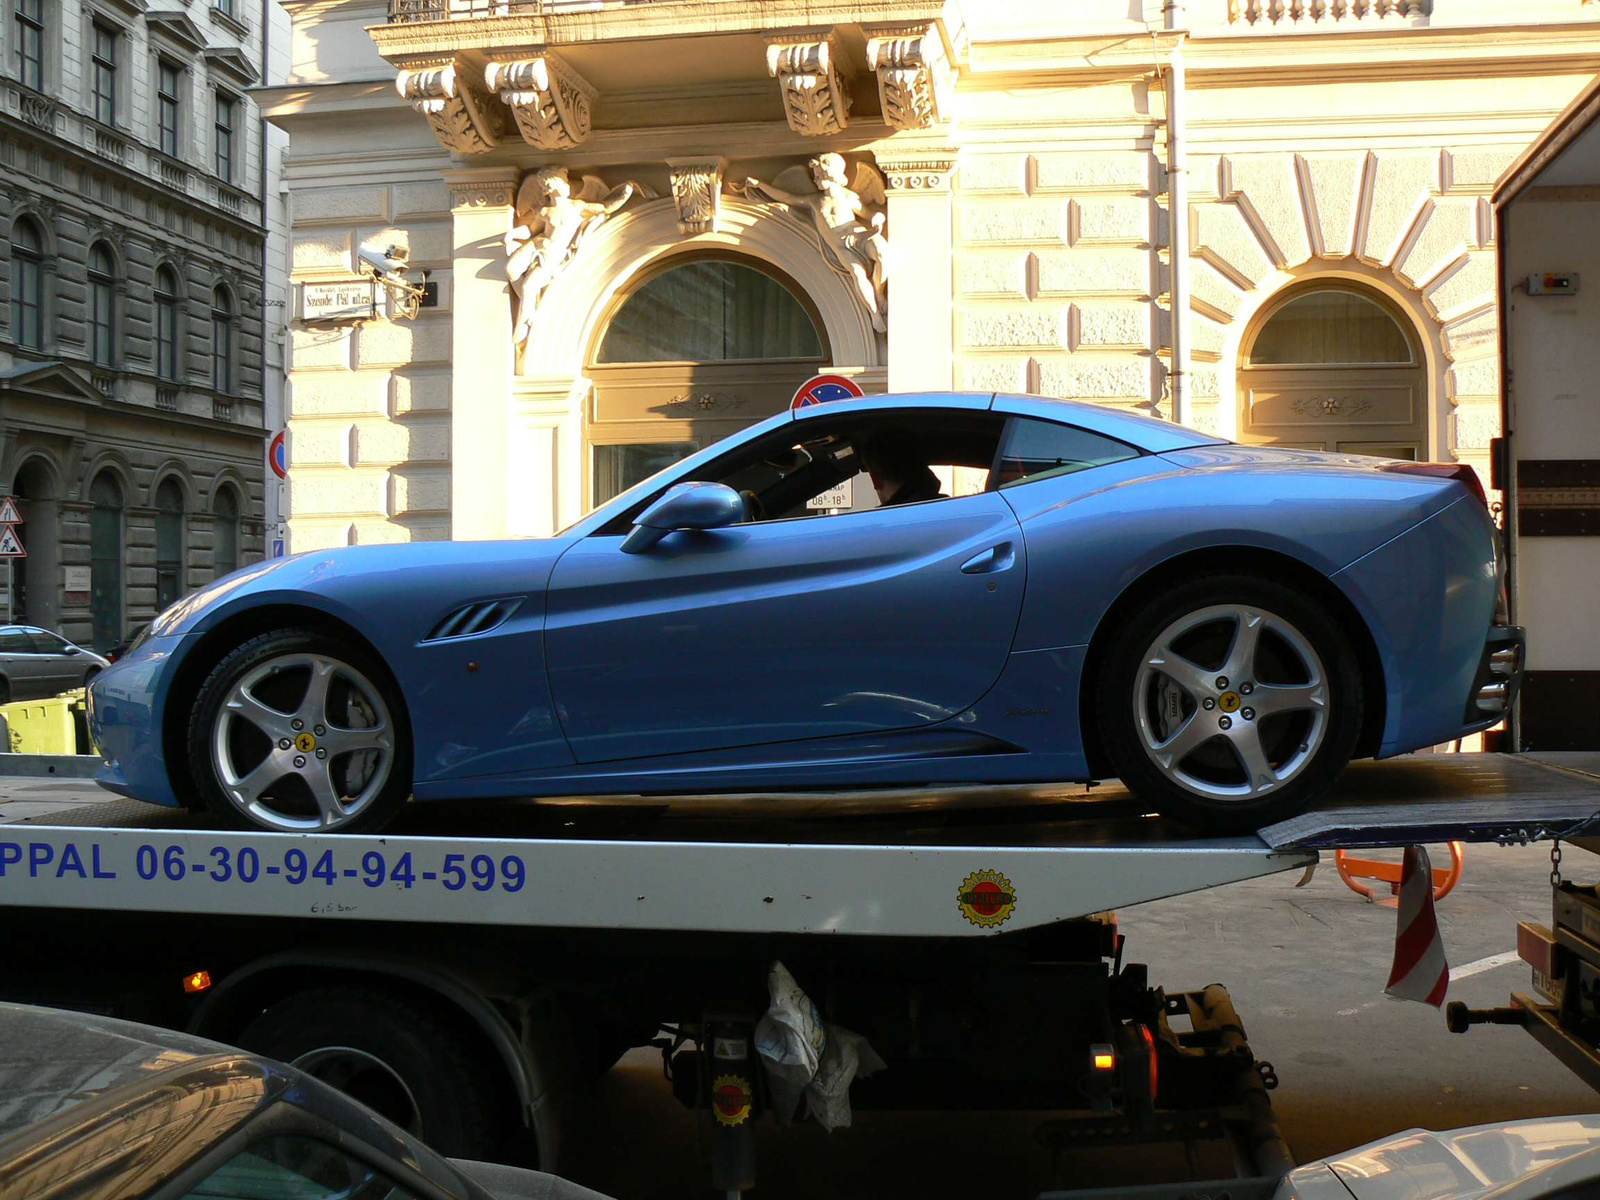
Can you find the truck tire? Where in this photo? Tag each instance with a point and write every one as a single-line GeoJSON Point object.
{"type": "Point", "coordinates": [406, 1060]}
{"type": "Point", "coordinates": [1230, 702]}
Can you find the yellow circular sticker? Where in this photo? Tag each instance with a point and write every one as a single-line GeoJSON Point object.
{"type": "Point", "coordinates": [986, 898]}
{"type": "Point", "coordinates": [1229, 702]}
{"type": "Point", "coordinates": [731, 1099]}
{"type": "Point", "coordinates": [305, 743]}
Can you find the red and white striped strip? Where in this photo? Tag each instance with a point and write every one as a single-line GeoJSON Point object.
{"type": "Point", "coordinates": [1420, 970]}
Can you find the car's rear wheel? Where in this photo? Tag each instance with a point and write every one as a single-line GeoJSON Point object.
{"type": "Point", "coordinates": [295, 731]}
{"type": "Point", "coordinates": [1230, 703]}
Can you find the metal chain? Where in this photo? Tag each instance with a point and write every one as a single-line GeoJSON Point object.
{"type": "Point", "coordinates": [1555, 863]}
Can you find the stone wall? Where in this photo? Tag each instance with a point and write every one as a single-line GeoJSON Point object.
{"type": "Point", "coordinates": [369, 408]}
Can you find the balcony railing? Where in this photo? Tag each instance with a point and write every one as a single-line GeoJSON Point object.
{"type": "Point", "coordinates": [1304, 14]}
{"type": "Point", "coordinates": [221, 408]}
{"type": "Point", "coordinates": [447, 10]}
{"type": "Point", "coordinates": [167, 399]}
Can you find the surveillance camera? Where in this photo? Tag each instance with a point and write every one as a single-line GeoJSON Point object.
{"type": "Point", "coordinates": [389, 261]}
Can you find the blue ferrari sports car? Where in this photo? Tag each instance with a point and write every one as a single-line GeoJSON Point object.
{"type": "Point", "coordinates": [896, 591]}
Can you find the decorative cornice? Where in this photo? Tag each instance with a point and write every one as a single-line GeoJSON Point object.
{"type": "Point", "coordinates": [804, 64]}
{"type": "Point", "coordinates": [178, 28]}
{"type": "Point", "coordinates": [916, 169]}
{"type": "Point", "coordinates": [466, 194]}
{"type": "Point", "coordinates": [696, 190]}
{"type": "Point", "coordinates": [462, 119]}
{"type": "Point", "coordinates": [916, 82]}
{"type": "Point", "coordinates": [550, 101]}
{"type": "Point", "coordinates": [229, 61]}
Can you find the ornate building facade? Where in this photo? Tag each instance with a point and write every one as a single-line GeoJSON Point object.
{"type": "Point", "coordinates": [132, 302]}
{"type": "Point", "coordinates": [647, 222]}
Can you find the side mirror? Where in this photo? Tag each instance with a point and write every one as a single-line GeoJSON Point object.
{"type": "Point", "coordinates": [71, 649]}
{"type": "Point", "coordinates": [694, 505]}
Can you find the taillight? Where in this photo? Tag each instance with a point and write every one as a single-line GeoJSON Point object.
{"type": "Point", "coordinates": [1460, 472]}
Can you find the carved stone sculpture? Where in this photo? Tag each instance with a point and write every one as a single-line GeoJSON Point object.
{"type": "Point", "coordinates": [550, 101]}
{"type": "Point", "coordinates": [457, 110]}
{"type": "Point", "coordinates": [548, 224]}
{"type": "Point", "coordinates": [696, 187]}
{"type": "Point", "coordinates": [847, 209]}
{"type": "Point", "coordinates": [814, 100]}
{"type": "Point", "coordinates": [915, 80]}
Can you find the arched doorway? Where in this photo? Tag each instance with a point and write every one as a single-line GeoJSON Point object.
{"type": "Point", "coordinates": [1334, 365]}
{"type": "Point", "coordinates": [696, 349]}
{"type": "Point", "coordinates": [105, 560]}
{"type": "Point", "coordinates": [34, 576]}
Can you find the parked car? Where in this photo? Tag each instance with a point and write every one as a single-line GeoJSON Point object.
{"type": "Point", "coordinates": [100, 1109]}
{"type": "Point", "coordinates": [1554, 1157]}
{"type": "Point", "coordinates": [35, 662]}
{"type": "Point", "coordinates": [121, 647]}
{"type": "Point", "coordinates": [1098, 594]}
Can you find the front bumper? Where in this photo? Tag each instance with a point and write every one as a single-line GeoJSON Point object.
{"type": "Point", "coordinates": [1498, 678]}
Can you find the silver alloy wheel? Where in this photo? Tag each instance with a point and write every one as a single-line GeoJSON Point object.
{"type": "Point", "coordinates": [1183, 707]}
{"type": "Point", "coordinates": [343, 759]}
{"type": "Point", "coordinates": [369, 1079]}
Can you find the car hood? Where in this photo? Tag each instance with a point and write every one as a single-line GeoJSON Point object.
{"type": "Point", "coordinates": [406, 578]}
{"type": "Point", "coordinates": [1518, 1160]}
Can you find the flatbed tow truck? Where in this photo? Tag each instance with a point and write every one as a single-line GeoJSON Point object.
{"type": "Point", "coordinates": [472, 969]}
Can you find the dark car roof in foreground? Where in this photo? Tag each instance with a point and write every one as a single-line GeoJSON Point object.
{"type": "Point", "coordinates": [51, 1061]}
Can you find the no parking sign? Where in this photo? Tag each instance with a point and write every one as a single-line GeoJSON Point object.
{"type": "Point", "coordinates": [820, 389]}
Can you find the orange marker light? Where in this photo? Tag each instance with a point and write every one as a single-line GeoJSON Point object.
{"type": "Point", "coordinates": [1102, 1058]}
{"type": "Point", "coordinates": [200, 981]}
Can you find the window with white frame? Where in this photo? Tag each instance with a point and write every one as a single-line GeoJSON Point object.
{"type": "Point", "coordinates": [30, 43]}
{"type": "Point", "coordinates": [102, 306]}
{"type": "Point", "coordinates": [27, 284]}
{"type": "Point", "coordinates": [169, 106]}
{"type": "Point", "coordinates": [226, 115]}
{"type": "Point", "coordinates": [103, 59]}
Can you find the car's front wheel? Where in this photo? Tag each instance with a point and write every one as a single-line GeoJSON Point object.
{"type": "Point", "coordinates": [295, 732]}
{"type": "Point", "coordinates": [1230, 703]}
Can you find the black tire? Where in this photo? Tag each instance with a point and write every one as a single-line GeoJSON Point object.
{"type": "Point", "coordinates": [88, 676]}
{"type": "Point", "coordinates": [1188, 794]}
{"type": "Point", "coordinates": [420, 1070]}
{"type": "Point", "coordinates": [286, 644]}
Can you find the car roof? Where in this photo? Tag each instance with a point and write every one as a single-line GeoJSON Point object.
{"type": "Point", "coordinates": [51, 1060]}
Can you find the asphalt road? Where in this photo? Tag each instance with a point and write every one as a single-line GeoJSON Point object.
{"type": "Point", "coordinates": [1306, 968]}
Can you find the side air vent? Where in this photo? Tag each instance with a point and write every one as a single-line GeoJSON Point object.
{"type": "Point", "coordinates": [478, 617]}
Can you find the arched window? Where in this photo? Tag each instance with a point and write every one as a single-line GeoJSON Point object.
{"type": "Point", "coordinates": [102, 305]}
{"type": "Point", "coordinates": [1332, 327]}
{"type": "Point", "coordinates": [1334, 365]}
{"type": "Point", "coordinates": [169, 543]}
{"type": "Point", "coordinates": [710, 310]}
{"type": "Point", "coordinates": [27, 284]}
{"type": "Point", "coordinates": [697, 349]}
{"type": "Point", "coordinates": [105, 559]}
{"type": "Point", "coordinates": [222, 341]}
{"type": "Point", "coordinates": [167, 323]}
{"type": "Point", "coordinates": [225, 530]}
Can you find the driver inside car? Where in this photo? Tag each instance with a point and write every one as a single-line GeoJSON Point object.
{"type": "Point", "coordinates": [899, 471]}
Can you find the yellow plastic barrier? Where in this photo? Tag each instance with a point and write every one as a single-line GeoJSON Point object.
{"type": "Point", "coordinates": [41, 726]}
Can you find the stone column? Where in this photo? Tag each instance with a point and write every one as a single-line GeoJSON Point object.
{"type": "Point", "coordinates": [921, 282]}
{"type": "Point", "coordinates": [481, 351]}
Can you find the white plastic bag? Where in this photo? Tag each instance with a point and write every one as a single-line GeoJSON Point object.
{"type": "Point", "coordinates": [805, 1055]}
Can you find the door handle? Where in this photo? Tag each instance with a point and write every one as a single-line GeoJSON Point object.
{"type": "Point", "coordinates": [995, 558]}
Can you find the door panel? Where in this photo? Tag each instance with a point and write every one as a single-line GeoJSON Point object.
{"type": "Point", "coordinates": [783, 630]}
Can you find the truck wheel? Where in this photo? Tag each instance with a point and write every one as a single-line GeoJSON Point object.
{"type": "Point", "coordinates": [1230, 702]}
{"type": "Point", "coordinates": [399, 1058]}
{"type": "Point", "coordinates": [296, 731]}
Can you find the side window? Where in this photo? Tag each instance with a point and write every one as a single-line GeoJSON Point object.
{"type": "Point", "coordinates": [47, 643]}
{"type": "Point", "coordinates": [1036, 449]}
{"type": "Point", "coordinates": [854, 463]}
{"type": "Point", "coordinates": [15, 641]}
{"type": "Point", "coordinates": [296, 1168]}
